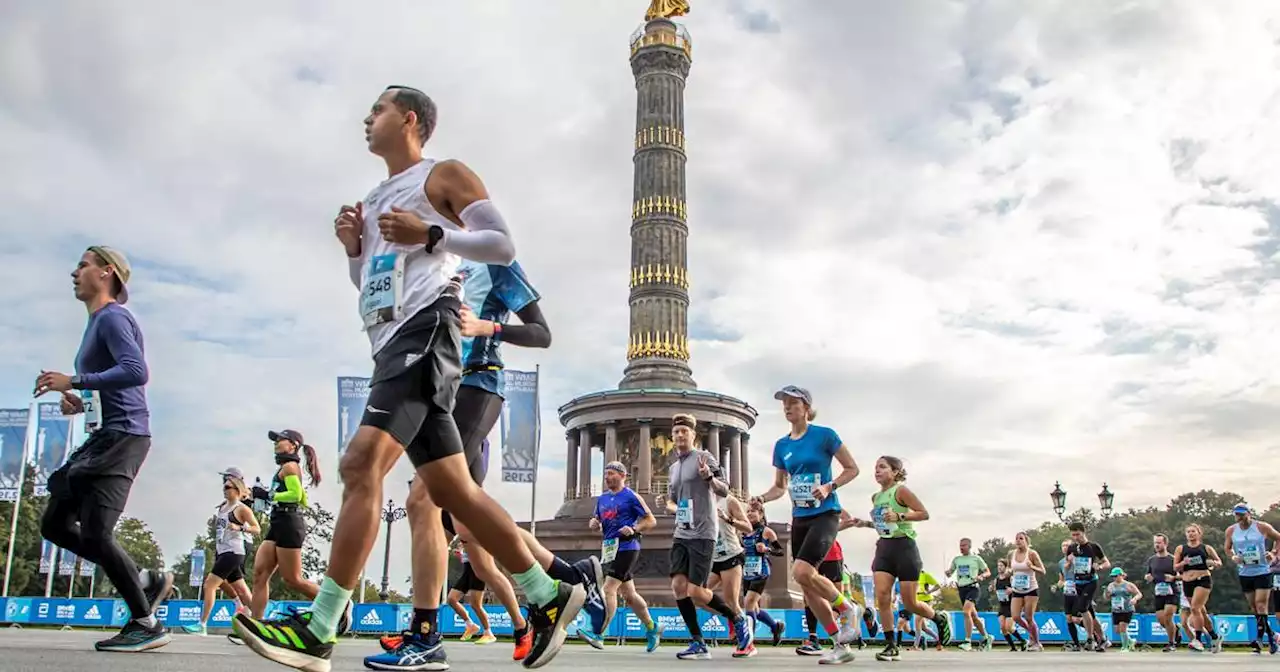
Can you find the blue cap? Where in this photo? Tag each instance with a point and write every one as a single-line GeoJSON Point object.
{"type": "Point", "coordinates": [1241, 509]}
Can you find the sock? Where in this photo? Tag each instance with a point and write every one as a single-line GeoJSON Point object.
{"type": "Point", "coordinates": [148, 620]}
{"type": "Point", "coordinates": [563, 571]}
{"type": "Point", "coordinates": [1212, 632]}
{"type": "Point", "coordinates": [764, 617]}
{"type": "Point", "coordinates": [813, 637]}
{"type": "Point", "coordinates": [1009, 638]}
{"type": "Point", "coordinates": [899, 636]}
{"type": "Point", "coordinates": [690, 615]}
{"type": "Point", "coordinates": [1263, 626]}
{"type": "Point", "coordinates": [327, 609]}
{"type": "Point", "coordinates": [1124, 638]}
{"type": "Point", "coordinates": [1018, 635]}
{"type": "Point", "coordinates": [889, 637]}
{"type": "Point", "coordinates": [841, 604]}
{"type": "Point", "coordinates": [1075, 636]}
{"type": "Point", "coordinates": [425, 621]}
{"type": "Point", "coordinates": [537, 585]}
{"type": "Point", "coordinates": [718, 605]}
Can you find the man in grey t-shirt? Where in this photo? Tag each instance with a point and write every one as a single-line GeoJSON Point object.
{"type": "Point", "coordinates": [694, 482]}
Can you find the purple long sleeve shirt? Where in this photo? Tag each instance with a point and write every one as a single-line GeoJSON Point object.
{"type": "Point", "coordinates": [111, 361]}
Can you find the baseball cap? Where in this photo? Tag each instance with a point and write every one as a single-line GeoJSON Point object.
{"type": "Point", "coordinates": [616, 466]}
{"type": "Point", "coordinates": [289, 434]}
{"type": "Point", "coordinates": [1241, 509]}
{"type": "Point", "coordinates": [232, 472]}
{"type": "Point", "coordinates": [794, 392]}
{"type": "Point", "coordinates": [1117, 571]}
{"type": "Point", "coordinates": [116, 259]}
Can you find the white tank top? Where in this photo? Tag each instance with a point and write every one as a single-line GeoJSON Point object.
{"type": "Point", "coordinates": [1022, 569]}
{"type": "Point", "coordinates": [728, 539]}
{"type": "Point", "coordinates": [229, 540]}
{"type": "Point", "coordinates": [423, 277]}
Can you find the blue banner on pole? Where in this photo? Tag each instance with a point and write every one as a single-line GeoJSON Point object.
{"type": "Point", "coordinates": [47, 553]}
{"type": "Point", "coordinates": [520, 427]}
{"type": "Point", "coordinates": [13, 450]}
{"type": "Point", "coordinates": [353, 395]}
{"type": "Point", "coordinates": [53, 434]}
{"type": "Point", "coordinates": [67, 563]}
{"type": "Point", "coordinates": [197, 567]}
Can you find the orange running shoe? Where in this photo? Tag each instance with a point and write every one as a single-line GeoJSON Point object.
{"type": "Point", "coordinates": [523, 645]}
{"type": "Point", "coordinates": [390, 642]}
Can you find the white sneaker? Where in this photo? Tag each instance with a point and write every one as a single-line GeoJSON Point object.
{"type": "Point", "coordinates": [837, 655]}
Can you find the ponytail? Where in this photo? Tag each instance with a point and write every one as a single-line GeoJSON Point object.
{"type": "Point", "coordinates": [313, 465]}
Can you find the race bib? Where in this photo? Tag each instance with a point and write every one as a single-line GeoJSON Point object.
{"type": "Point", "coordinates": [754, 565]}
{"type": "Point", "coordinates": [1251, 555]}
{"type": "Point", "coordinates": [877, 518]}
{"type": "Point", "coordinates": [92, 409]}
{"type": "Point", "coordinates": [1195, 561]}
{"type": "Point", "coordinates": [962, 572]}
{"type": "Point", "coordinates": [1083, 565]}
{"type": "Point", "coordinates": [1163, 589]}
{"type": "Point", "coordinates": [684, 513]}
{"type": "Point", "coordinates": [1118, 604]}
{"type": "Point", "coordinates": [380, 299]}
{"type": "Point", "coordinates": [608, 551]}
{"type": "Point", "coordinates": [802, 486]}
{"type": "Point", "coordinates": [722, 547]}
{"type": "Point", "coordinates": [1022, 582]}
{"type": "Point", "coordinates": [1069, 587]}
{"type": "Point", "coordinates": [1002, 595]}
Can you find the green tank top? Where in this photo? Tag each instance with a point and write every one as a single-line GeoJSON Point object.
{"type": "Point", "coordinates": [883, 502]}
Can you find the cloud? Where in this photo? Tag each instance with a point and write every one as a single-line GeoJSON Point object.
{"type": "Point", "coordinates": [1011, 245]}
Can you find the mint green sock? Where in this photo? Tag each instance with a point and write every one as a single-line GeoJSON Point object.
{"type": "Point", "coordinates": [327, 609]}
{"type": "Point", "coordinates": [538, 585]}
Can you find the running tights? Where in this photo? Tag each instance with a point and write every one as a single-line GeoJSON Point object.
{"type": "Point", "coordinates": [88, 531]}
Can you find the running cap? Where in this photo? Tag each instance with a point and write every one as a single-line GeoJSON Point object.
{"type": "Point", "coordinates": [116, 259]}
{"type": "Point", "coordinates": [1117, 571]}
{"type": "Point", "coordinates": [1241, 509]}
{"type": "Point", "coordinates": [232, 472]}
{"type": "Point", "coordinates": [616, 466]}
{"type": "Point", "coordinates": [795, 393]}
{"type": "Point", "coordinates": [288, 434]}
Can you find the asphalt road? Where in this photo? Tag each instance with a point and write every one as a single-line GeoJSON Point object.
{"type": "Point", "coordinates": [31, 650]}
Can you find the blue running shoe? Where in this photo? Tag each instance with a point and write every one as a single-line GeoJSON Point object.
{"type": "Point", "coordinates": [696, 651]}
{"type": "Point", "coordinates": [416, 652]}
{"type": "Point", "coordinates": [593, 582]}
{"type": "Point", "coordinates": [652, 637]}
{"type": "Point", "coordinates": [596, 641]}
{"type": "Point", "coordinates": [744, 631]}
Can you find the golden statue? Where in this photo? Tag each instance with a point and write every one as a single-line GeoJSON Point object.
{"type": "Point", "coordinates": [665, 9]}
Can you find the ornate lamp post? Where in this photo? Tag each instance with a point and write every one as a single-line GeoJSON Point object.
{"type": "Point", "coordinates": [1106, 500]}
{"type": "Point", "coordinates": [390, 514]}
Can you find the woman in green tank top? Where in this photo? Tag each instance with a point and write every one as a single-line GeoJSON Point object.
{"type": "Point", "coordinates": [895, 510]}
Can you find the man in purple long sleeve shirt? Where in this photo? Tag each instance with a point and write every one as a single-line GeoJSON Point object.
{"type": "Point", "coordinates": [89, 492]}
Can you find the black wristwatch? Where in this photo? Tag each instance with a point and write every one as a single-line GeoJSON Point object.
{"type": "Point", "coordinates": [75, 382]}
{"type": "Point", "coordinates": [434, 235]}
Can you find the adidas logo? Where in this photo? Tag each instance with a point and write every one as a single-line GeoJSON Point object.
{"type": "Point", "coordinates": [1050, 628]}
{"type": "Point", "coordinates": [371, 618]}
{"type": "Point", "coordinates": [93, 612]}
{"type": "Point", "coordinates": [222, 614]}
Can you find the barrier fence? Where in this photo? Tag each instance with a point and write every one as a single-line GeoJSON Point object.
{"type": "Point", "coordinates": [378, 618]}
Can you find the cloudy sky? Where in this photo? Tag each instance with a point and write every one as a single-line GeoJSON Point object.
{"type": "Point", "coordinates": [1009, 242]}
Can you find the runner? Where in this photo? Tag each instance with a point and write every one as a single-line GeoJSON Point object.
{"type": "Point", "coordinates": [727, 559]}
{"type": "Point", "coordinates": [232, 522]}
{"type": "Point", "coordinates": [1246, 543]}
{"type": "Point", "coordinates": [831, 567]}
{"type": "Point", "coordinates": [761, 543]}
{"type": "Point", "coordinates": [694, 481]}
{"type": "Point", "coordinates": [969, 570]}
{"type": "Point", "coordinates": [1084, 560]}
{"type": "Point", "coordinates": [802, 467]}
{"type": "Point", "coordinates": [88, 493]}
{"type": "Point", "coordinates": [1162, 576]}
{"type": "Point", "coordinates": [472, 588]}
{"type": "Point", "coordinates": [895, 511]}
{"type": "Point", "coordinates": [1002, 587]}
{"type": "Point", "coordinates": [403, 257]}
{"type": "Point", "coordinates": [1024, 565]}
{"type": "Point", "coordinates": [928, 589]}
{"type": "Point", "coordinates": [622, 516]}
{"type": "Point", "coordinates": [1122, 594]}
{"type": "Point", "coordinates": [1195, 561]}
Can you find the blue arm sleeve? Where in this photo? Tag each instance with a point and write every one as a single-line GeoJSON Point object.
{"type": "Point", "coordinates": [130, 370]}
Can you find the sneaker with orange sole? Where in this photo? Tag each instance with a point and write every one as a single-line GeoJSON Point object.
{"type": "Point", "coordinates": [524, 643]}
{"type": "Point", "coordinates": [470, 632]}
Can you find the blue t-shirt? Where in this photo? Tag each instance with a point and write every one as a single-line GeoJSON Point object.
{"type": "Point", "coordinates": [492, 292]}
{"type": "Point", "coordinates": [111, 362]}
{"type": "Point", "coordinates": [616, 511]}
{"type": "Point", "coordinates": [808, 461]}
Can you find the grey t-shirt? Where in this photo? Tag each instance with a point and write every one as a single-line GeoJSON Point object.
{"type": "Point", "coordinates": [695, 502]}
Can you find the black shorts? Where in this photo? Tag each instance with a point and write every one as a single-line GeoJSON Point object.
{"type": "Point", "coordinates": [812, 536]}
{"type": "Point", "coordinates": [691, 558]}
{"type": "Point", "coordinates": [475, 412]}
{"type": "Point", "coordinates": [622, 565]}
{"type": "Point", "coordinates": [1163, 601]}
{"type": "Point", "coordinates": [415, 384]}
{"type": "Point", "coordinates": [1249, 584]}
{"type": "Point", "coordinates": [1121, 617]}
{"type": "Point", "coordinates": [833, 570]}
{"type": "Point", "coordinates": [755, 586]}
{"type": "Point", "coordinates": [1006, 609]}
{"type": "Point", "coordinates": [898, 557]}
{"type": "Point", "coordinates": [229, 567]}
{"type": "Point", "coordinates": [726, 565]}
{"type": "Point", "coordinates": [1082, 601]}
{"type": "Point", "coordinates": [1189, 587]}
{"type": "Point", "coordinates": [968, 593]}
{"type": "Point", "coordinates": [467, 580]}
{"type": "Point", "coordinates": [288, 527]}
{"type": "Point", "coordinates": [1023, 596]}
{"type": "Point", "coordinates": [100, 474]}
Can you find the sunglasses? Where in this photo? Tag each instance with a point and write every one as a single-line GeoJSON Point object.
{"type": "Point", "coordinates": [228, 486]}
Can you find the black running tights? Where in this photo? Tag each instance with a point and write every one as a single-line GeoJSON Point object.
{"type": "Point", "coordinates": [88, 530]}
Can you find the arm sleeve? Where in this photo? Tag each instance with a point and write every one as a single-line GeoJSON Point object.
{"type": "Point", "coordinates": [293, 491]}
{"type": "Point", "coordinates": [533, 333]}
{"type": "Point", "coordinates": [130, 369]}
{"type": "Point", "coordinates": [353, 269]}
{"type": "Point", "coordinates": [486, 238]}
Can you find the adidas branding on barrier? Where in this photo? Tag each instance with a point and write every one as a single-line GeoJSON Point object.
{"type": "Point", "coordinates": [1050, 628]}
{"type": "Point", "coordinates": [371, 618]}
{"type": "Point", "coordinates": [222, 614]}
{"type": "Point", "coordinates": [93, 612]}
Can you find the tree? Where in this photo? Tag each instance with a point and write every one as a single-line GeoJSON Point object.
{"type": "Point", "coordinates": [25, 579]}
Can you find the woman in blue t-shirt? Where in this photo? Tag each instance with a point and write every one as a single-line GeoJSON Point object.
{"type": "Point", "coordinates": [802, 462]}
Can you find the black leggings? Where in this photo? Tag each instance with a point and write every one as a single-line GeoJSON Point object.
{"type": "Point", "coordinates": [86, 528]}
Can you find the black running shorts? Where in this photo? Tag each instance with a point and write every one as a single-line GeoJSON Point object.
{"type": "Point", "coordinates": [100, 474]}
{"type": "Point", "coordinates": [622, 564]}
{"type": "Point", "coordinates": [288, 527]}
{"type": "Point", "coordinates": [1121, 617]}
{"type": "Point", "coordinates": [415, 383]}
{"type": "Point", "coordinates": [833, 570]}
{"type": "Point", "coordinates": [1006, 609]}
{"type": "Point", "coordinates": [229, 567]}
{"type": "Point", "coordinates": [691, 558]}
{"type": "Point", "coordinates": [728, 564]}
{"type": "Point", "coordinates": [467, 581]}
{"type": "Point", "coordinates": [898, 557]}
{"type": "Point", "coordinates": [1083, 600]}
{"type": "Point", "coordinates": [1249, 584]}
{"type": "Point", "coordinates": [754, 586]}
{"type": "Point", "coordinates": [969, 593]}
{"type": "Point", "coordinates": [812, 537]}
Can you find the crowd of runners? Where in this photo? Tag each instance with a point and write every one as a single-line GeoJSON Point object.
{"type": "Point", "coordinates": [434, 263]}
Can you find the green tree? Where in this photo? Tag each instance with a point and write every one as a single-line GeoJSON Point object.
{"type": "Point", "coordinates": [25, 579]}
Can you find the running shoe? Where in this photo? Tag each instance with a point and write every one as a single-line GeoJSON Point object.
{"type": "Point", "coordinates": [965, 646]}
{"type": "Point", "coordinates": [778, 629]}
{"type": "Point", "coordinates": [838, 655]}
{"type": "Point", "coordinates": [1169, 648]}
{"type": "Point", "coordinates": [809, 648]}
{"type": "Point", "coordinates": [392, 642]}
{"type": "Point", "coordinates": [136, 637]}
{"type": "Point", "coordinates": [486, 638]}
{"type": "Point", "coordinates": [696, 651]}
{"type": "Point", "coordinates": [596, 641]}
{"type": "Point", "coordinates": [652, 637]}
{"type": "Point", "coordinates": [889, 653]}
{"type": "Point", "coordinates": [286, 640]}
{"type": "Point", "coordinates": [524, 643]}
{"type": "Point", "coordinates": [415, 652]}
{"type": "Point", "coordinates": [1257, 648]}
{"type": "Point", "coordinates": [943, 620]}
{"type": "Point", "coordinates": [1272, 644]}
{"type": "Point", "coordinates": [549, 622]}
{"type": "Point", "coordinates": [1196, 646]}
{"type": "Point", "coordinates": [196, 629]}
{"type": "Point", "coordinates": [234, 638]}
{"type": "Point", "coordinates": [158, 587]}
{"type": "Point", "coordinates": [987, 642]}
{"type": "Point", "coordinates": [744, 633]}
{"type": "Point", "coordinates": [1216, 643]}
{"type": "Point", "coordinates": [593, 583]}
{"type": "Point", "coordinates": [470, 631]}
{"type": "Point", "coordinates": [850, 625]}
{"type": "Point", "coordinates": [344, 621]}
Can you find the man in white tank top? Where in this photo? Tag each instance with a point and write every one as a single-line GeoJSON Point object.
{"type": "Point", "coordinates": [403, 244]}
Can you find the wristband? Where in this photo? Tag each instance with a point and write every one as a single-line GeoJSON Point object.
{"type": "Point", "coordinates": [497, 330]}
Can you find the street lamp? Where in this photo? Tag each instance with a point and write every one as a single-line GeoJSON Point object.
{"type": "Point", "coordinates": [390, 514]}
{"type": "Point", "coordinates": [1059, 497]}
{"type": "Point", "coordinates": [1106, 500]}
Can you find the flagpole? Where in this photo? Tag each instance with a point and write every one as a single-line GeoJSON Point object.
{"type": "Point", "coordinates": [537, 452]}
{"type": "Point", "coordinates": [17, 503]}
{"type": "Point", "coordinates": [53, 569]}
